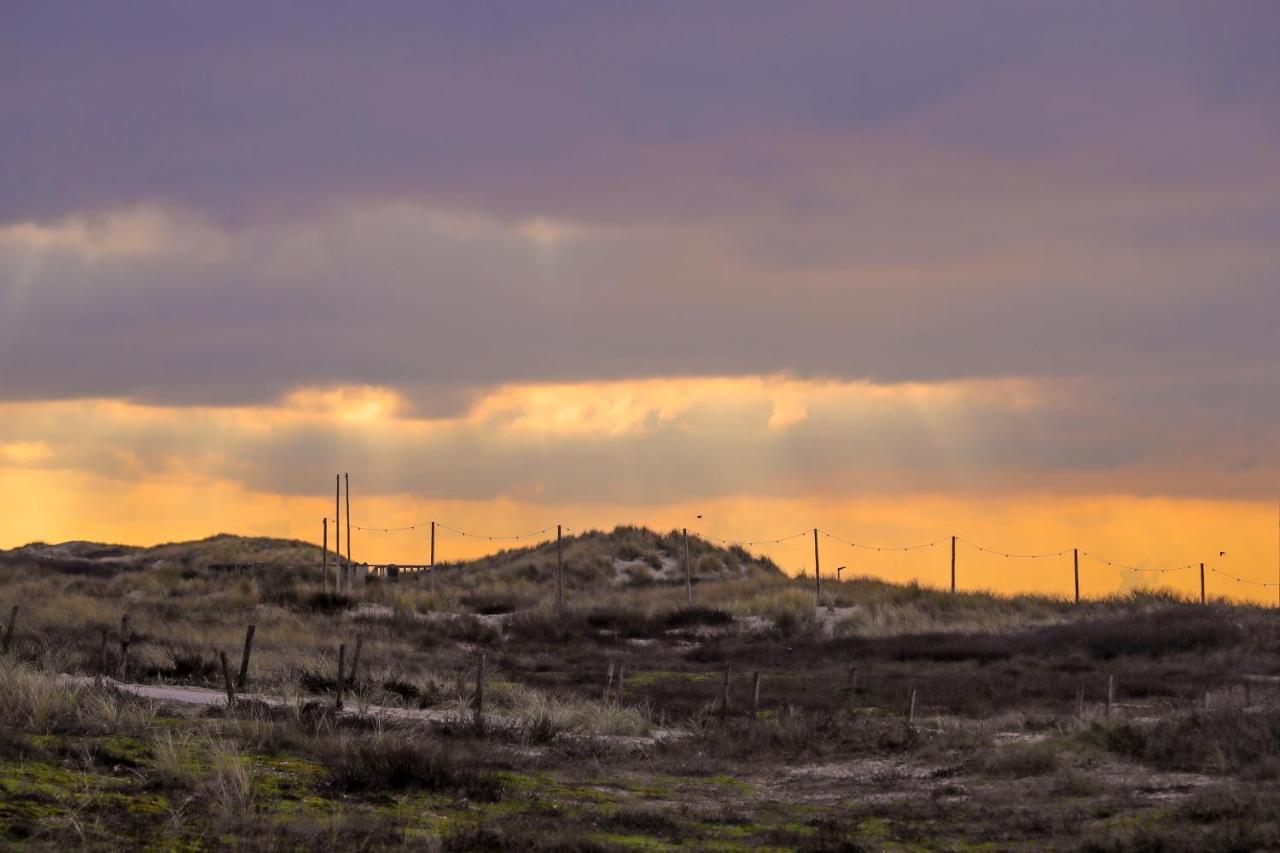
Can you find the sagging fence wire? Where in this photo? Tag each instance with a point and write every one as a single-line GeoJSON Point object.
{"type": "Point", "coordinates": [753, 543]}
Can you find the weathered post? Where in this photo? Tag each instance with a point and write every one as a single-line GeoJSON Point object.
{"type": "Point", "coordinates": [124, 646]}
{"type": "Point", "coordinates": [1202, 583]}
{"type": "Point", "coordinates": [724, 695]}
{"type": "Point", "coordinates": [911, 711]}
{"type": "Point", "coordinates": [953, 564]}
{"type": "Point", "coordinates": [1080, 703]}
{"type": "Point", "coordinates": [1075, 561]}
{"type": "Point", "coordinates": [479, 705]}
{"type": "Point", "coordinates": [342, 660]}
{"type": "Point", "coordinates": [244, 661]}
{"type": "Point", "coordinates": [817, 569]}
{"type": "Point", "coordinates": [688, 577]}
{"type": "Point", "coordinates": [608, 681]}
{"type": "Point", "coordinates": [324, 566]}
{"type": "Point", "coordinates": [1111, 694]}
{"type": "Point", "coordinates": [226, 681]}
{"type": "Point", "coordinates": [433, 557]}
{"type": "Point", "coordinates": [8, 630]}
{"type": "Point", "coordinates": [559, 572]}
{"type": "Point", "coordinates": [622, 679]}
{"type": "Point", "coordinates": [755, 695]}
{"type": "Point", "coordinates": [853, 684]}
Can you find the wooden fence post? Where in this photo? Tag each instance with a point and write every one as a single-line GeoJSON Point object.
{"type": "Point", "coordinates": [226, 681]}
{"type": "Point", "coordinates": [622, 679]}
{"type": "Point", "coordinates": [479, 708]}
{"type": "Point", "coordinates": [433, 557]}
{"type": "Point", "coordinates": [724, 694]}
{"type": "Point", "coordinates": [688, 577]}
{"type": "Point", "coordinates": [817, 570]}
{"type": "Point", "coordinates": [953, 564]}
{"type": "Point", "coordinates": [324, 565]}
{"type": "Point", "coordinates": [124, 646]}
{"type": "Point", "coordinates": [608, 681]}
{"type": "Point", "coordinates": [244, 660]}
{"type": "Point", "coordinates": [755, 695]}
{"type": "Point", "coordinates": [8, 630]}
{"type": "Point", "coordinates": [853, 684]}
{"type": "Point", "coordinates": [1111, 694]}
{"type": "Point", "coordinates": [559, 572]}
{"type": "Point", "coordinates": [342, 660]}
{"type": "Point", "coordinates": [1080, 703]}
{"type": "Point", "coordinates": [1202, 583]}
{"type": "Point", "coordinates": [1075, 562]}
{"type": "Point", "coordinates": [911, 711]}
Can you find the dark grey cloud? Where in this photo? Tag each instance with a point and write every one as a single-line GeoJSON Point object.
{"type": "Point", "coordinates": [239, 108]}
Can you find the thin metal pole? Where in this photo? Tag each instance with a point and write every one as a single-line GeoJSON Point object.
{"type": "Point", "coordinates": [350, 571]}
{"type": "Point", "coordinates": [337, 531]}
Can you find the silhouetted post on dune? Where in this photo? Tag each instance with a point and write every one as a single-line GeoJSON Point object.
{"type": "Point", "coordinates": [433, 556]}
{"type": "Point", "coordinates": [324, 565]}
{"type": "Point", "coordinates": [559, 572]}
{"type": "Point", "coordinates": [347, 479]}
{"type": "Point", "coordinates": [337, 531]}
{"type": "Point", "coordinates": [1202, 583]}
{"type": "Point", "coordinates": [953, 564]}
{"type": "Point", "coordinates": [1075, 560]}
{"type": "Point", "coordinates": [817, 568]}
{"type": "Point", "coordinates": [688, 578]}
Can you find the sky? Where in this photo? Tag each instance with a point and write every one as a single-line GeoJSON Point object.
{"type": "Point", "coordinates": [895, 270]}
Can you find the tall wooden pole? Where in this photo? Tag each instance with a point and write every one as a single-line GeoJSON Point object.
{"type": "Point", "coordinates": [1202, 583]}
{"type": "Point", "coordinates": [559, 572]}
{"type": "Point", "coordinates": [1075, 560]}
{"type": "Point", "coordinates": [325, 564]}
{"type": "Point", "coordinates": [433, 556]}
{"type": "Point", "coordinates": [953, 564]}
{"type": "Point", "coordinates": [817, 568]}
{"type": "Point", "coordinates": [337, 531]}
{"type": "Point", "coordinates": [688, 578]}
{"type": "Point", "coordinates": [350, 572]}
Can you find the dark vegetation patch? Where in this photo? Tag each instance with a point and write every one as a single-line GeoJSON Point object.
{"type": "Point", "coordinates": [1224, 741]}
{"type": "Point", "coordinates": [395, 762]}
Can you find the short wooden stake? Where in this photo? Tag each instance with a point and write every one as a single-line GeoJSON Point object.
{"type": "Point", "coordinates": [608, 681]}
{"type": "Point", "coordinates": [433, 557]}
{"type": "Point", "coordinates": [124, 646]}
{"type": "Point", "coordinates": [479, 704]}
{"type": "Point", "coordinates": [853, 683]}
{"type": "Point", "coordinates": [755, 695]}
{"type": "Point", "coordinates": [911, 712]}
{"type": "Point", "coordinates": [226, 680]}
{"type": "Point", "coordinates": [1080, 703]}
{"type": "Point", "coordinates": [1206, 700]}
{"type": "Point", "coordinates": [244, 660]}
{"type": "Point", "coordinates": [622, 679]}
{"type": "Point", "coordinates": [724, 694]}
{"type": "Point", "coordinates": [1111, 693]}
{"type": "Point", "coordinates": [355, 662]}
{"type": "Point", "coordinates": [8, 630]}
{"type": "Point", "coordinates": [342, 661]}
{"type": "Point", "coordinates": [1202, 583]}
{"type": "Point", "coordinates": [1075, 562]}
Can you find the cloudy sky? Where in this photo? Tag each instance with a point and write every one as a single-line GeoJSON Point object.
{"type": "Point", "coordinates": [897, 270]}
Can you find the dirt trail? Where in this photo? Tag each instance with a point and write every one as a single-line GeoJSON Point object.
{"type": "Point", "coordinates": [207, 697]}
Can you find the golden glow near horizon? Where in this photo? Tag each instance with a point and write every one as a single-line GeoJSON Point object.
{"type": "Point", "coordinates": [121, 472]}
